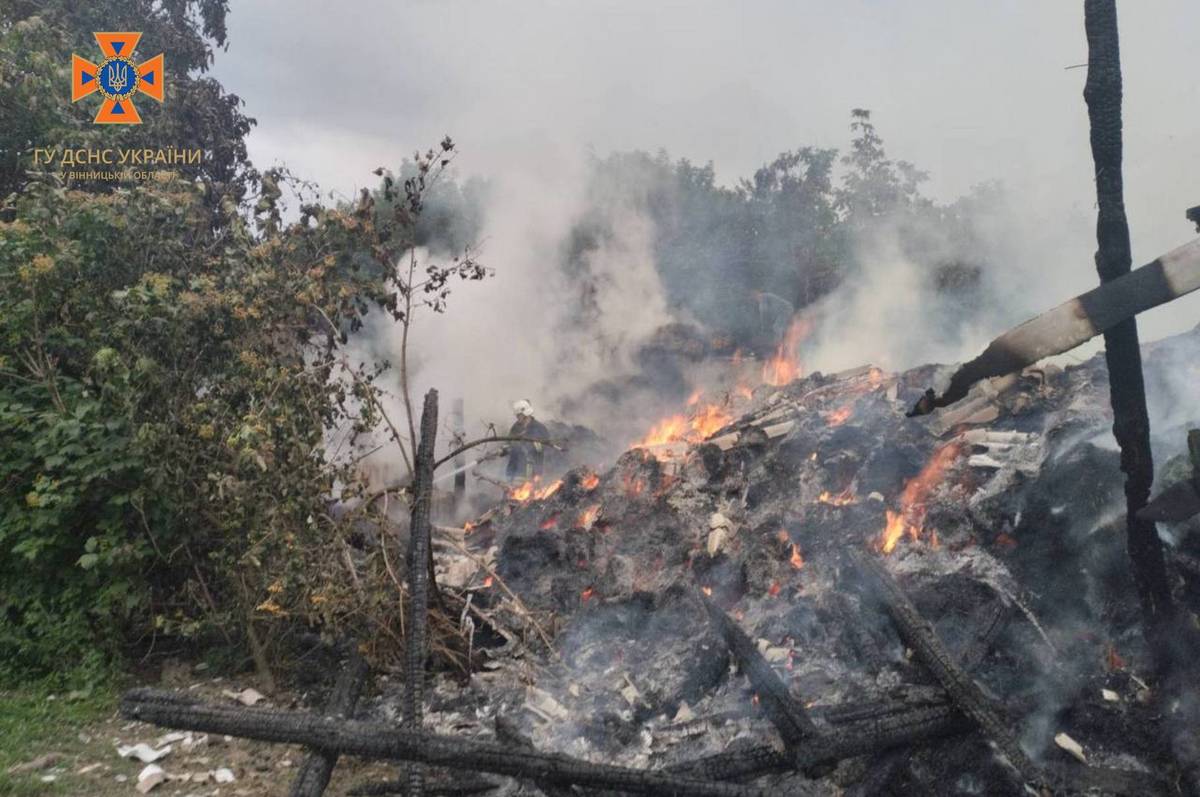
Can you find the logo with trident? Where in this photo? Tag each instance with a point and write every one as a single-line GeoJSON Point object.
{"type": "Point", "coordinates": [118, 78]}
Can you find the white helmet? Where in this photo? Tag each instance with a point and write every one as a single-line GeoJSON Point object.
{"type": "Point", "coordinates": [523, 407]}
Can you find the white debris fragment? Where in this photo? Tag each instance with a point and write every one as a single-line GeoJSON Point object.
{"type": "Point", "coordinates": [150, 777]}
{"type": "Point", "coordinates": [1110, 695]}
{"type": "Point", "coordinates": [542, 702]}
{"type": "Point", "coordinates": [192, 743]}
{"type": "Point", "coordinates": [88, 768]}
{"type": "Point", "coordinates": [247, 697]}
{"type": "Point", "coordinates": [1071, 746]}
{"type": "Point", "coordinates": [716, 540]}
{"type": "Point", "coordinates": [223, 775]}
{"type": "Point", "coordinates": [684, 714]}
{"type": "Point", "coordinates": [170, 738]}
{"type": "Point", "coordinates": [144, 752]}
{"type": "Point", "coordinates": [49, 778]}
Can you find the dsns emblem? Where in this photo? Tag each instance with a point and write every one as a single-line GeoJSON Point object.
{"type": "Point", "coordinates": [117, 78]}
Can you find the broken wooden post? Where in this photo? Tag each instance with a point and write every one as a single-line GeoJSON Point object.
{"type": "Point", "coordinates": [419, 552]}
{"type": "Point", "coordinates": [458, 418]}
{"type": "Point", "coordinates": [1127, 390]}
{"type": "Point", "coordinates": [1171, 636]}
{"type": "Point", "coordinates": [379, 741]}
{"type": "Point", "coordinates": [918, 634]}
{"type": "Point", "coordinates": [317, 768]}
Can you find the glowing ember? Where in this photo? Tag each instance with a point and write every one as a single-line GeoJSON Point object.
{"type": "Point", "coordinates": [532, 490]}
{"type": "Point", "coordinates": [754, 699]}
{"type": "Point", "coordinates": [910, 518]}
{"type": "Point", "coordinates": [796, 560]}
{"type": "Point", "coordinates": [589, 516]}
{"type": "Point", "coordinates": [743, 392]}
{"type": "Point", "coordinates": [634, 485]}
{"type": "Point", "coordinates": [707, 591]}
{"type": "Point", "coordinates": [839, 416]}
{"type": "Point", "coordinates": [487, 582]}
{"type": "Point", "coordinates": [774, 589]}
{"type": "Point", "coordinates": [468, 527]}
{"type": "Point", "coordinates": [843, 498]}
{"type": "Point", "coordinates": [590, 481]}
{"type": "Point", "coordinates": [784, 367]}
{"type": "Point", "coordinates": [549, 522]}
{"type": "Point", "coordinates": [587, 594]}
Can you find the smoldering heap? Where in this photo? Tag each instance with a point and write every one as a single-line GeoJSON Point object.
{"type": "Point", "coordinates": [798, 588]}
{"type": "Point", "coordinates": [1000, 518]}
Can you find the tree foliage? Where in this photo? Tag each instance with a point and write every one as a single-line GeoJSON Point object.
{"type": "Point", "coordinates": [174, 405]}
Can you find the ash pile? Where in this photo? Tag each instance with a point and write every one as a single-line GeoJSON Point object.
{"type": "Point", "coordinates": [729, 600]}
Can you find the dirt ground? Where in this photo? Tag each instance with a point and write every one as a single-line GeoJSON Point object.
{"type": "Point", "coordinates": [85, 761]}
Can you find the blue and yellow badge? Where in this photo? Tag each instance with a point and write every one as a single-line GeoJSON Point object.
{"type": "Point", "coordinates": [117, 78]}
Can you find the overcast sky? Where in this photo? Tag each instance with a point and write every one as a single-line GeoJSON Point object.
{"type": "Point", "coordinates": [969, 91]}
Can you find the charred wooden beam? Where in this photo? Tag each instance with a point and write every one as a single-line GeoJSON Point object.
{"type": "Point", "coordinates": [1075, 322]}
{"type": "Point", "coordinates": [508, 732]}
{"type": "Point", "coordinates": [419, 578]}
{"type": "Point", "coordinates": [459, 786]}
{"type": "Point", "coordinates": [884, 727]}
{"type": "Point", "coordinates": [374, 740]}
{"type": "Point", "coordinates": [317, 768]}
{"type": "Point", "coordinates": [919, 635]}
{"type": "Point", "coordinates": [787, 714]}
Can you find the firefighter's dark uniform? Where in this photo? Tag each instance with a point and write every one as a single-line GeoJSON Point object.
{"type": "Point", "coordinates": [525, 458]}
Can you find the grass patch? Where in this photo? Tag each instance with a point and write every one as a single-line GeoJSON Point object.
{"type": "Point", "coordinates": [44, 717]}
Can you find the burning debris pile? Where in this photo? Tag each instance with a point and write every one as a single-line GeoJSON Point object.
{"type": "Point", "coordinates": [998, 518]}
{"type": "Point", "coordinates": [799, 588]}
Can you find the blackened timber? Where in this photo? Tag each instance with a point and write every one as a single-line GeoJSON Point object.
{"type": "Point", "coordinates": [508, 732]}
{"type": "Point", "coordinates": [1127, 390]}
{"type": "Point", "coordinates": [317, 768]}
{"type": "Point", "coordinates": [378, 741]}
{"type": "Point", "coordinates": [786, 714]}
{"type": "Point", "coordinates": [919, 635]}
{"type": "Point", "coordinates": [886, 727]}
{"type": "Point", "coordinates": [419, 551]}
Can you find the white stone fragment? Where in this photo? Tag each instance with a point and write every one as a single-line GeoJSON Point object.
{"type": "Point", "coordinates": [150, 777]}
{"type": "Point", "coordinates": [1071, 746]}
{"type": "Point", "coordinates": [223, 775]}
{"type": "Point", "coordinates": [144, 752]}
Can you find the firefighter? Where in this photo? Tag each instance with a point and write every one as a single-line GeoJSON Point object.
{"type": "Point", "coordinates": [525, 458]}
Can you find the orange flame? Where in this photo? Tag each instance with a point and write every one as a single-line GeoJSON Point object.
{"type": "Point", "coordinates": [774, 589]}
{"type": "Point", "coordinates": [694, 399]}
{"type": "Point", "coordinates": [531, 491]}
{"type": "Point", "coordinates": [743, 392]}
{"type": "Point", "coordinates": [839, 416]}
{"type": "Point", "coordinates": [549, 522]}
{"type": "Point", "coordinates": [796, 560]}
{"type": "Point", "coordinates": [587, 594]}
{"type": "Point", "coordinates": [910, 518]}
{"type": "Point", "coordinates": [681, 429]}
{"type": "Point", "coordinates": [707, 591]}
{"type": "Point", "coordinates": [840, 499]}
{"type": "Point", "coordinates": [785, 367]}
{"type": "Point", "coordinates": [487, 582]}
{"type": "Point", "coordinates": [589, 515]}
{"type": "Point", "coordinates": [468, 527]}
{"type": "Point", "coordinates": [590, 481]}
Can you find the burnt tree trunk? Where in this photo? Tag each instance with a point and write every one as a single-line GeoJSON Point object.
{"type": "Point", "coordinates": [317, 768]}
{"type": "Point", "coordinates": [1172, 639]}
{"type": "Point", "coordinates": [1131, 423]}
{"type": "Point", "coordinates": [419, 581]}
